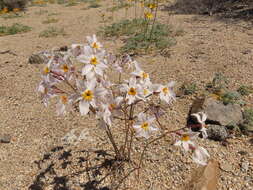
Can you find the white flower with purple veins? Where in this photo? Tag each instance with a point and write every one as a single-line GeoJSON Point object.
{"type": "Point", "coordinates": [46, 91]}
{"type": "Point", "coordinates": [76, 49]}
{"type": "Point", "coordinates": [92, 40]}
{"type": "Point", "coordinates": [144, 127]}
{"type": "Point", "coordinates": [94, 62]}
{"type": "Point", "coordinates": [65, 68]}
{"type": "Point", "coordinates": [110, 109]}
{"type": "Point", "coordinates": [186, 141]}
{"type": "Point", "coordinates": [139, 73]}
{"type": "Point", "coordinates": [201, 118]}
{"type": "Point", "coordinates": [200, 156]}
{"type": "Point", "coordinates": [88, 96]}
{"type": "Point", "coordinates": [132, 91]}
{"type": "Point", "coordinates": [63, 105]}
{"type": "Point", "coordinates": [165, 92]}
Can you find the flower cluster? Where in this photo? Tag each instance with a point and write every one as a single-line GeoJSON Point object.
{"type": "Point", "coordinates": [79, 80]}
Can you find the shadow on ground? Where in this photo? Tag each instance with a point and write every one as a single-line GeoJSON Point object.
{"type": "Point", "coordinates": [65, 169]}
{"type": "Point", "coordinates": [221, 9]}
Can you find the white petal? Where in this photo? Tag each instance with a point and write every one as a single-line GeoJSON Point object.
{"type": "Point", "coordinates": [197, 116]}
{"type": "Point", "coordinates": [86, 69]}
{"type": "Point", "coordinates": [132, 82]}
{"type": "Point", "coordinates": [60, 109]}
{"type": "Point", "coordinates": [185, 145]}
{"type": "Point", "coordinates": [84, 107]}
{"type": "Point", "coordinates": [178, 143]}
{"type": "Point", "coordinates": [99, 71]}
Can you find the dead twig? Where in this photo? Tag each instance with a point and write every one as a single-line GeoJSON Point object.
{"type": "Point", "coordinates": [9, 52]}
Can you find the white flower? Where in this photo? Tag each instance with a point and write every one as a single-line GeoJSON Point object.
{"type": "Point", "coordinates": [139, 73]}
{"type": "Point", "coordinates": [63, 105]}
{"type": "Point", "coordinates": [201, 118]}
{"type": "Point", "coordinates": [200, 155]}
{"type": "Point", "coordinates": [92, 40]}
{"type": "Point", "coordinates": [186, 142]}
{"type": "Point", "coordinates": [132, 91]}
{"type": "Point", "coordinates": [145, 89]}
{"type": "Point", "coordinates": [94, 62]}
{"type": "Point", "coordinates": [76, 49]}
{"type": "Point", "coordinates": [46, 91]}
{"type": "Point", "coordinates": [88, 95]}
{"type": "Point", "coordinates": [110, 109]}
{"type": "Point", "coordinates": [165, 91]}
{"type": "Point", "coordinates": [144, 127]}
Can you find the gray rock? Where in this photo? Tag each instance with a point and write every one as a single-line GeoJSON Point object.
{"type": "Point", "coordinates": [38, 58]}
{"type": "Point", "coordinates": [217, 132]}
{"type": "Point", "coordinates": [5, 138]}
{"type": "Point", "coordinates": [217, 112]}
{"type": "Point", "coordinates": [226, 167]}
{"type": "Point", "coordinates": [245, 166]}
{"type": "Point", "coordinates": [42, 57]}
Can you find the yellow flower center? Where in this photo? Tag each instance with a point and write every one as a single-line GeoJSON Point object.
{"type": "Point", "coordinates": [93, 61]}
{"type": "Point", "coordinates": [64, 99]}
{"type": "Point", "coordinates": [46, 70]}
{"type": "Point", "coordinates": [112, 106]}
{"type": "Point", "coordinates": [16, 10]}
{"type": "Point", "coordinates": [185, 138]}
{"type": "Point", "coordinates": [87, 95]}
{"type": "Point", "coordinates": [151, 5]}
{"type": "Point", "coordinates": [165, 90]}
{"type": "Point", "coordinates": [95, 45]}
{"type": "Point", "coordinates": [149, 15]}
{"type": "Point", "coordinates": [132, 91]}
{"type": "Point", "coordinates": [145, 126]}
{"type": "Point", "coordinates": [5, 10]}
{"type": "Point", "coordinates": [144, 75]}
{"type": "Point", "coordinates": [65, 68]}
{"type": "Point", "coordinates": [145, 91]}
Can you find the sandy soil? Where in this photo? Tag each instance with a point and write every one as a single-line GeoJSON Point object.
{"type": "Point", "coordinates": [206, 47]}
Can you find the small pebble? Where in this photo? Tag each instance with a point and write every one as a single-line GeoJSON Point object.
{"type": "Point", "coordinates": [245, 166]}
{"type": "Point", "coordinates": [5, 138]}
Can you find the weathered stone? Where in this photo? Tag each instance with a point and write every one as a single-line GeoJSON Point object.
{"type": "Point", "coordinates": [217, 112]}
{"type": "Point", "coordinates": [42, 57]}
{"type": "Point", "coordinates": [205, 178]}
{"type": "Point", "coordinates": [245, 166]}
{"type": "Point", "coordinates": [38, 58]}
{"type": "Point", "coordinates": [5, 138]}
{"type": "Point", "coordinates": [226, 167]}
{"type": "Point", "coordinates": [217, 132]}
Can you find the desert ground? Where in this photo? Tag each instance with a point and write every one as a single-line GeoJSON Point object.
{"type": "Point", "coordinates": [208, 45]}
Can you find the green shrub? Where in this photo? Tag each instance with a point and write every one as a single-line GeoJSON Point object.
{"type": "Point", "coordinates": [14, 29]}
{"type": "Point", "coordinates": [188, 88]}
{"type": "Point", "coordinates": [230, 98]}
{"type": "Point", "coordinates": [140, 38]}
{"type": "Point", "coordinates": [245, 90]}
{"type": "Point", "coordinates": [52, 32]}
{"type": "Point", "coordinates": [247, 125]}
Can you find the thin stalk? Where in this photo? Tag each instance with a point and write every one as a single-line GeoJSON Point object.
{"type": "Point", "coordinates": [154, 140]}
{"type": "Point", "coordinates": [135, 9]}
{"type": "Point", "coordinates": [152, 28]}
{"type": "Point", "coordinates": [128, 126]}
{"type": "Point", "coordinates": [130, 146]}
{"type": "Point", "coordinates": [109, 134]}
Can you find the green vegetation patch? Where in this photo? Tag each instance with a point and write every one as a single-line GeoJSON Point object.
{"type": "Point", "coordinates": [14, 29]}
{"type": "Point", "coordinates": [141, 36]}
{"type": "Point", "coordinates": [52, 32]}
{"type": "Point", "coordinates": [50, 20]}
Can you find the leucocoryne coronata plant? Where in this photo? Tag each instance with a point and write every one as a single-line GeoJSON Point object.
{"type": "Point", "coordinates": [78, 79]}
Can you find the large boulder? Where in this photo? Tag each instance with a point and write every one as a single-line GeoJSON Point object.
{"type": "Point", "coordinates": [217, 112]}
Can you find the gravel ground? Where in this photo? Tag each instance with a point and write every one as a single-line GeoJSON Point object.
{"type": "Point", "coordinates": [207, 46]}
